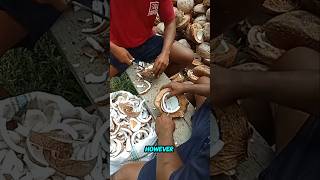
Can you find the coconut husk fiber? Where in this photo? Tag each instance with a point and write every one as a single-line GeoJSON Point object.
{"type": "Point", "coordinates": [235, 133]}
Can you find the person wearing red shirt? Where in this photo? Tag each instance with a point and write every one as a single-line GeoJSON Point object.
{"type": "Point", "coordinates": [132, 37]}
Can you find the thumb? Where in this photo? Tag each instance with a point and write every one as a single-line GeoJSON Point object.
{"type": "Point", "coordinates": [129, 56]}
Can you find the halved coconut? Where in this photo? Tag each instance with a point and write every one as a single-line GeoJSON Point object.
{"type": "Point", "coordinates": [204, 50]}
{"type": "Point", "coordinates": [147, 73]}
{"type": "Point", "coordinates": [185, 43]}
{"type": "Point", "coordinates": [279, 6]}
{"type": "Point", "coordinates": [169, 105]}
{"type": "Point", "coordinates": [195, 33]}
{"type": "Point", "coordinates": [161, 103]}
{"type": "Point", "coordinates": [206, 3]}
{"type": "Point", "coordinates": [208, 14]}
{"type": "Point", "coordinates": [201, 19]}
{"type": "Point", "coordinates": [185, 5]}
{"type": "Point", "coordinates": [224, 53]}
{"type": "Point", "coordinates": [177, 77]}
{"type": "Point", "coordinates": [202, 70]}
{"type": "Point", "coordinates": [128, 109]}
{"type": "Point", "coordinates": [206, 30]}
{"type": "Point", "coordinates": [199, 9]}
{"type": "Point", "coordinates": [160, 28]}
{"type": "Point", "coordinates": [184, 22]}
{"type": "Point", "coordinates": [260, 46]}
{"type": "Point", "coordinates": [191, 77]}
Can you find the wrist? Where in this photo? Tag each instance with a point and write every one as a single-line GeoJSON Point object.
{"type": "Point", "coordinates": [166, 139]}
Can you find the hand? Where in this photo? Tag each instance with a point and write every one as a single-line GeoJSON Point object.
{"type": "Point", "coordinates": [161, 64]}
{"type": "Point", "coordinates": [175, 88]}
{"type": "Point", "coordinates": [123, 55]}
{"type": "Point", "coordinates": [164, 126]}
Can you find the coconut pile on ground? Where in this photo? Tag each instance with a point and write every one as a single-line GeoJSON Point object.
{"type": "Point", "coordinates": [193, 31]}
{"type": "Point", "coordinates": [45, 137]}
{"type": "Point", "coordinates": [131, 129]}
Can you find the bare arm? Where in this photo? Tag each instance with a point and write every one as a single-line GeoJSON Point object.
{"type": "Point", "coordinates": [199, 89]}
{"type": "Point", "coordinates": [167, 163]}
{"type": "Point", "coordinates": [162, 60]}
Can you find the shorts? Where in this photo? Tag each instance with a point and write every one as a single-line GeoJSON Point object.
{"type": "Point", "coordinates": [300, 160]}
{"type": "Point", "coordinates": [195, 153]}
{"type": "Point", "coordinates": [36, 18]}
{"type": "Point", "coordinates": [147, 52]}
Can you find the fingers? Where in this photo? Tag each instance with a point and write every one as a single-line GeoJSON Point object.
{"type": "Point", "coordinates": [130, 58]}
{"type": "Point", "coordinates": [156, 68]}
{"type": "Point", "coordinates": [166, 86]}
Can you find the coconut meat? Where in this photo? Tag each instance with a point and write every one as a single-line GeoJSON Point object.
{"type": "Point", "coordinates": [170, 105]}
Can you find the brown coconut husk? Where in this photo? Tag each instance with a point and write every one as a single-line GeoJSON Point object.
{"type": "Point", "coordinates": [223, 59]}
{"type": "Point", "coordinates": [235, 133]}
{"type": "Point", "coordinates": [182, 101]}
{"type": "Point", "coordinates": [294, 29]}
{"type": "Point", "coordinates": [201, 70]}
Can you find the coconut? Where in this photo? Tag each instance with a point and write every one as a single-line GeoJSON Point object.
{"type": "Point", "coordinates": [184, 23]}
{"type": "Point", "coordinates": [185, 5]}
{"type": "Point", "coordinates": [185, 43]}
{"type": "Point", "coordinates": [177, 77]}
{"type": "Point", "coordinates": [208, 15]}
{"type": "Point", "coordinates": [201, 19]}
{"type": "Point", "coordinates": [175, 107]}
{"type": "Point", "coordinates": [147, 73]}
{"type": "Point", "coordinates": [204, 50]}
{"type": "Point", "coordinates": [191, 77]}
{"type": "Point", "coordinates": [201, 70]}
{"type": "Point", "coordinates": [195, 33]}
{"type": "Point", "coordinates": [160, 28]}
{"type": "Point", "coordinates": [199, 9]}
{"type": "Point", "coordinates": [206, 30]}
{"type": "Point", "coordinates": [261, 48]}
{"type": "Point", "coordinates": [223, 53]}
{"type": "Point", "coordinates": [206, 3]}
{"type": "Point", "coordinates": [196, 62]}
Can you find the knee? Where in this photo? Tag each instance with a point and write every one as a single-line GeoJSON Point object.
{"type": "Point", "coordinates": [203, 80]}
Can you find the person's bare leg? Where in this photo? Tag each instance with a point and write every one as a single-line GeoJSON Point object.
{"type": "Point", "coordinates": [11, 32]}
{"type": "Point", "coordinates": [128, 171]}
{"type": "Point", "coordinates": [180, 57]}
{"type": "Point", "coordinates": [201, 99]}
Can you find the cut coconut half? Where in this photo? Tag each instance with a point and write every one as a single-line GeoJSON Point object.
{"type": "Point", "coordinates": [170, 104]}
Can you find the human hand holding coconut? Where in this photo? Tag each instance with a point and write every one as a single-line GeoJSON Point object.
{"type": "Point", "coordinates": [121, 54]}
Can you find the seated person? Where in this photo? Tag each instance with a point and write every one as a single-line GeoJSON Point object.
{"type": "Point", "coordinates": [132, 37]}
{"type": "Point", "coordinates": [191, 159]}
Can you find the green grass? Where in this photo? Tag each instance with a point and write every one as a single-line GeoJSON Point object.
{"type": "Point", "coordinates": [40, 69]}
{"type": "Point", "coordinates": [122, 83]}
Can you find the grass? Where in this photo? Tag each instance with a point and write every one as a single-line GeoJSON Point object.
{"type": "Point", "coordinates": [40, 69]}
{"type": "Point", "coordinates": [122, 83]}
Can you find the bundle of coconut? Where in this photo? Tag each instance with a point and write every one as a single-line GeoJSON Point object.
{"type": "Point", "coordinates": [44, 137]}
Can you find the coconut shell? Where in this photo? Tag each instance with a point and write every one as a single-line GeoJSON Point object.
{"type": "Point", "coordinates": [183, 102]}
{"type": "Point", "coordinates": [197, 62]}
{"type": "Point", "coordinates": [192, 32]}
{"type": "Point", "coordinates": [294, 29]}
{"type": "Point", "coordinates": [184, 23]}
{"type": "Point", "coordinates": [63, 150]}
{"type": "Point", "coordinates": [75, 168]}
{"type": "Point", "coordinates": [235, 133]}
{"type": "Point", "coordinates": [191, 77]}
{"type": "Point", "coordinates": [177, 77]}
{"type": "Point", "coordinates": [202, 70]}
{"type": "Point", "coordinates": [266, 53]}
{"type": "Point", "coordinates": [279, 6]}
{"type": "Point", "coordinates": [128, 110]}
{"type": "Point", "coordinates": [225, 59]}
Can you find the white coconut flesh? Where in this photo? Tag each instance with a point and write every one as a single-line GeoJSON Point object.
{"type": "Point", "coordinates": [170, 104]}
{"type": "Point", "coordinates": [199, 35]}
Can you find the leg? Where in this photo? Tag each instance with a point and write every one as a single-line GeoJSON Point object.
{"type": "Point", "coordinates": [201, 99]}
{"type": "Point", "coordinates": [112, 71]}
{"type": "Point", "coordinates": [180, 57]}
{"type": "Point", "coordinates": [11, 32]}
{"type": "Point", "coordinates": [128, 171]}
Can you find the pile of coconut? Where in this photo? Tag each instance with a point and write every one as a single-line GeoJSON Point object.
{"type": "Point", "coordinates": [193, 31]}
{"type": "Point", "coordinates": [131, 128]}
{"type": "Point", "coordinates": [43, 142]}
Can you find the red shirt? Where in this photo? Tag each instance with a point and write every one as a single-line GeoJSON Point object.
{"type": "Point", "coordinates": [132, 20]}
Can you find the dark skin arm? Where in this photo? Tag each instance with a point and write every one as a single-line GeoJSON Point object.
{"type": "Point", "coordinates": [167, 163]}
{"type": "Point", "coordinates": [180, 88]}
{"type": "Point", "coordinates": [162, 60]}
{"type": "Point", "coordinates": [121, 53]}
